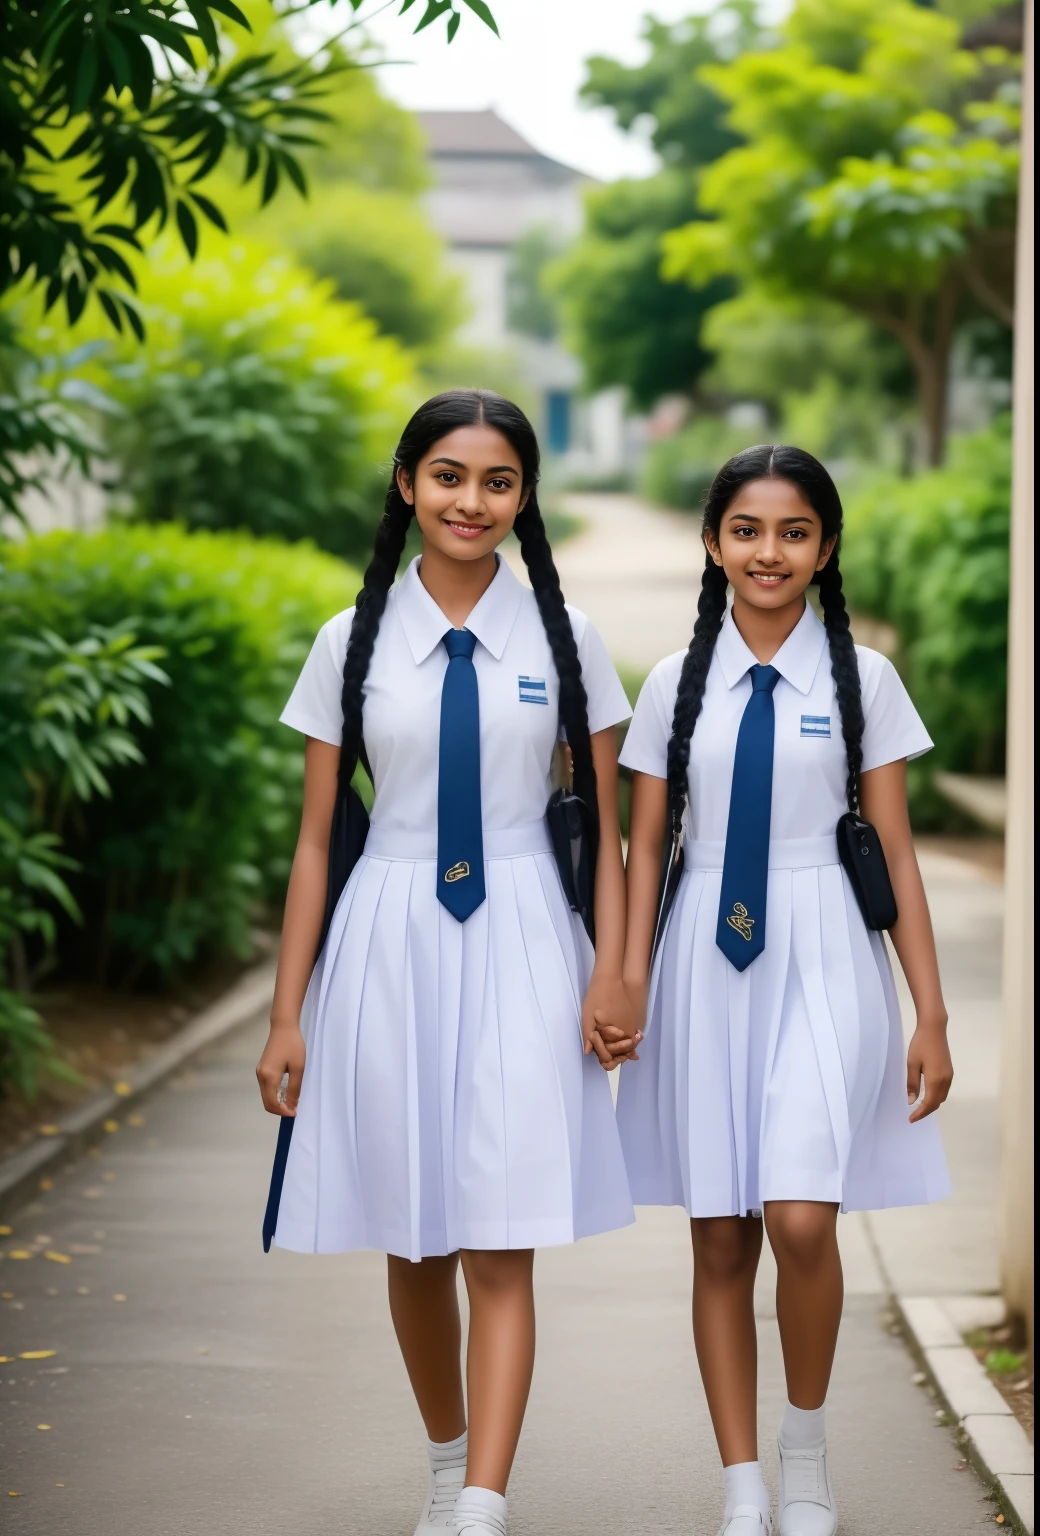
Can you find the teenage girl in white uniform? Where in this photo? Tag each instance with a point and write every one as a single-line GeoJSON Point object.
{"type": "Point", "coordinates": [452, 1100]}
{"type": "Point", "coordinates": [775, 1086]}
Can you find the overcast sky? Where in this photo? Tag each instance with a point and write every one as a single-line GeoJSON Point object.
{"type": "Point", "coordinates": [531, 76]}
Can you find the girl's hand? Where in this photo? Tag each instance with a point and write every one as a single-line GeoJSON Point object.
{"type": "Point", "coordinates": [928, 1056]}
{"type": "Point", "coordinates": [284, 1052]}
{"type": "Point", "coordinates": [608, 1024]}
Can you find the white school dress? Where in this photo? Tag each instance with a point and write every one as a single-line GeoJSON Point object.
{"type": "Point", "coordinates": [446, 1101]}
{"type": "Point", "coordinates": [786, 1081]}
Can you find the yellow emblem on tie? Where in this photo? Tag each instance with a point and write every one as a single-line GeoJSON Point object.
{"type": "Point", "coordinates": [740, 921]}
{"type": "Point", "coordinates": [460, 870]}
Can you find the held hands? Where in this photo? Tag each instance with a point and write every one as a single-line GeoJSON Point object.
{"type": "Point", "coordinates": [284, 1052]}
{"type": "Point", "coordinates": [610, 1024]}
{"type": "Point", "coordinates": [928, 1057]}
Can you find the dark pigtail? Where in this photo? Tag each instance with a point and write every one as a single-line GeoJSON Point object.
{"type": "Point", "coordinates": [545, 582]}
{"type": "Point", "coordinates": [845, 671]}
{"type": "Point", "coordinates": [379, 578]}
{"type": "Point", "coordinates": [711, 610]}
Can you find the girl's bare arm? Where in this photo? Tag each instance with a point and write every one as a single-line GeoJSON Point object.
{"type": "Point", "coordinates": [605, 999]}
{"type": "Point", "coordinates": [645, 846]}
{"type": "Point", "coordinates": [883, 801]}
{"type": "Point", "coordinates": [301, 928]}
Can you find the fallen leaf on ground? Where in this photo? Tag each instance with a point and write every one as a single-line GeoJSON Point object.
{"type": "Point", "coordinates": [93, 1193]}
{"type": "Point", "coordinates": [46, 1184]}
{"type": "Point", "coordinates": [122, 1089]}
{"type": "Point", "coordinates": [57, 1258]}
{"type": "Point", "coordinates": [49, 1130]}
{"type": "Point", "coordinates": [19, 1253]}
{"type": "Point", "coordinates": [110, 1125]}
{"type": "Point", "coordinates": [83, 1290]}
{"type": "Point", "coordinates": [37, 1354]}
{"type": "Point", "coordinates": [6, 1231]}
{"type": "Point", "coordinates": [136, 1121]}
{"type": "Point", "coordinates": [7, 1295]}
{"type": "Point", "coordinates": [43, 1426]}
{"type": "Point", "coordinates": [6, 1359]}
{"type": "Point", "coordinates": [81, 1248]}
{"type": "Point", "coordinates": [13, 1494]}
{"type": "Point", "coordinates": [119, 1296]}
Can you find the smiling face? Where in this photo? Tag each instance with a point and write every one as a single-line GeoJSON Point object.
{"type": "Point", "coordinates": [770, 544]}
{"type": "Point", "coordinates": [467, 491]}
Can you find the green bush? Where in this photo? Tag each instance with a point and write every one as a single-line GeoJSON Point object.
{"type": "Point", "coordinates": [174, 860]}
{"type": "Point", "coordinates": [258, 400]}
{"type": "Point", "coordinates": [678, 470]}
{"type": "Point", "coordinates": [929, 556]}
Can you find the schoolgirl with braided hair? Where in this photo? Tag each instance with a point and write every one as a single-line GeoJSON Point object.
{"type": "Point", "coordinates": [773, 1080]}
{"type": "Point", "coordinates": [445, 1067]}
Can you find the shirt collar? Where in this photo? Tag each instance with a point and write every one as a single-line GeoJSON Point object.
{"type": "Point", "coordinates": [797, 660]}
{"type": "Point", "coordinates": [491, 621]}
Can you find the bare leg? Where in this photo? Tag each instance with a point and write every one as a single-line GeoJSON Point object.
{"type": "Point", "coordinates": [499, 1361]}
{"type": "Point", "coordinates": [809, 1293]}
{"type": "Point", "coordinates": [424, 1305]}
{"type": "Point", "coordinates": [726, 1251]}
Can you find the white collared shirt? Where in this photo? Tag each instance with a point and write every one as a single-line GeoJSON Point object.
{"type": "Point", "coordinates": [808, 752]}
{"type": "Point", "coordinates": [519, 700]}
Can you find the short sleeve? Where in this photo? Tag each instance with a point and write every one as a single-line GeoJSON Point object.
{"type": "Point", "coordinates": [315, 704]}
{"type": "Point", "coordinates": [608, 701]}
{"type": "Point", "coordinates": [646, 745]}
{"type": "Point", "coordinates": [893, 727]}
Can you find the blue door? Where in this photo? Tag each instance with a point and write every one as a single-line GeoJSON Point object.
{"type": "Point", "coordinates": [558, 420]}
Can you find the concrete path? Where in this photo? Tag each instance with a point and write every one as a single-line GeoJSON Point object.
{"type": "Point", "coordinates": [200, 1387]}
{"type": "Point", "coordinates": [236, 1394]}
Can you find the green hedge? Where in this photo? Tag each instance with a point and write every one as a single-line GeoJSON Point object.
{"type": "Point", "coordinates": [678, 470]}
{"type": "Point", "coordinates": [929, 556]}
{"type": "Point", "coordinates": [173, 863]}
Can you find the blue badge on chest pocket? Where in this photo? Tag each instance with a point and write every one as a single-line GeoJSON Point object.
{"type": "Point", "coordinates": [816, 725]}
{"type": "Point", "coordinates": [533, 691]}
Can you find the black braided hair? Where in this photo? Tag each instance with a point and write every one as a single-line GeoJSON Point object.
{"type": "Point", "coordinates": [432, 421]}
{"type": "Point", "coordinates": [768, 462]}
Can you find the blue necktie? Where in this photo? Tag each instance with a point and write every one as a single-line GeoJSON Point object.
{"type": "Point", "coordinates": [460, 836]}
{"type": "Point", "coordinates": [741, 934]}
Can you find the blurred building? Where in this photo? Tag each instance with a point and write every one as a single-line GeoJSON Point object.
{"type": "Point", "coordinates": [495, 200]}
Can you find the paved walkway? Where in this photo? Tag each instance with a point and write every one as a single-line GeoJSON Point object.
{"type": "Point", "coordinates": [199, 1388]}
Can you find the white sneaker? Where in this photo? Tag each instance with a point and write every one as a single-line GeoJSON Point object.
{"type": "Point", "coordinates": [472, 1525]}
{"type": "Point", "coordinates": [445, 1487]}
{"type": "Point", "coordinates": [747, 1520]}
{"type": "Point", "coordinates": [806, 1503]}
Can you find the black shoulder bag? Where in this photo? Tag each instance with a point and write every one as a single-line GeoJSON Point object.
{"type": "Point", "coordinates": [573, 839]}
{"type": "Point", "coordinates": [346, 845]}
{"type": "Point", "coordinates": [863, 860]}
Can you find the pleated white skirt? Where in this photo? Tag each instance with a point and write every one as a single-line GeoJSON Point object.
{"type": "Point", "coordinates": [786, 1081]}
{"type": "Point", "coordinates": [446, 1100]}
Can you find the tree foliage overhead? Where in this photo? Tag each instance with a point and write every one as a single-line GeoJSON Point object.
{"type": "Point", "coordinates": [627, 323]}
{"type": "Point", "coordinates": [879, 169]}
{"type": "Point", "coordinates": [112, 116]}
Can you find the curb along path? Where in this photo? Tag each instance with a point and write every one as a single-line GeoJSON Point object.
{"type": "Point", "coordinates": [250, 995]}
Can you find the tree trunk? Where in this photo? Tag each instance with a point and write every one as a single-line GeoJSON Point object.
{"type": "Point", "coordinates": [926, 330]}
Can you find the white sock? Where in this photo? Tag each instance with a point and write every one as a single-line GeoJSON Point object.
{"type": "Point", "coordinates": [486, 1505]}
{"type": "Point", "coordinates": [447, 1453]}
{"type": "Point", "coordinates": [745, 1485]}
{"type": "Point", "coordinates": [803, 1429]}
